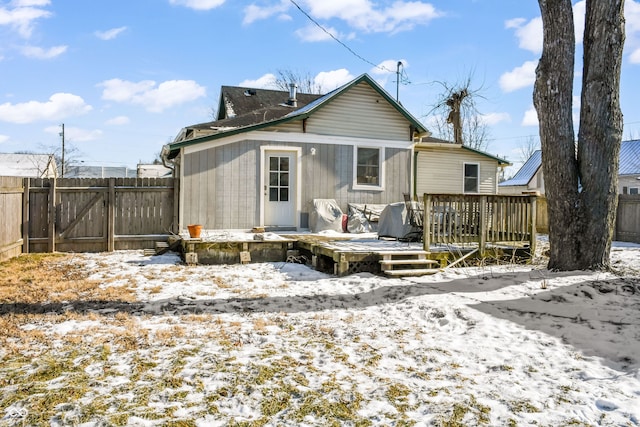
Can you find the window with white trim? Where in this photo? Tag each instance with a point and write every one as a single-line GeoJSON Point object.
{"type": "Point", "coordinates": [633, 190]}
{"type": "Point", "coordinates": [471, 178]}
{"type": "Point", "coordinates": [368, 167]}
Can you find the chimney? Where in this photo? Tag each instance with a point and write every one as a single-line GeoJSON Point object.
{"type": "Point", "coordinates": [292, 95]}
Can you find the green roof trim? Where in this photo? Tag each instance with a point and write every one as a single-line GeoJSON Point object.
{"type": "Point", "coordinates": [304, 113]}
{"type": "Point", "coordinates": [499, 159]}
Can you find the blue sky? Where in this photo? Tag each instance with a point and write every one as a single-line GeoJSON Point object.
{"type": "Point", "coordinates": [125, 76]}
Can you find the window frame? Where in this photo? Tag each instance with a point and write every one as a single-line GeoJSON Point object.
{"type": "Point", "coordinates": [464, 178]}
{"type": "Point", "coordinates": [381, 164]}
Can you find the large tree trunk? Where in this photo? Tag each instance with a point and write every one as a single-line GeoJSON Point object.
{"type": "Point", "coordinates": [600, 131]}
{"type": "Point", "coordinates": [552, 97]}
{"type": "Point", "coordinates": [581, 186]}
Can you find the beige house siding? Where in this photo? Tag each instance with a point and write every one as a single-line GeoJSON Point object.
{"type": "Point", "coordinates": [629, 181]}
{"type": "Point", "coordinates": [441, 170]}
{"type": "Point", "coordinates": [369, 116]}
{"type": "Point", "coordinates": [221, 184]}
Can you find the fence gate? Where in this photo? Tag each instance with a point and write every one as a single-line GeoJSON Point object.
{"type": "Point", "coordinates": [94, 215]}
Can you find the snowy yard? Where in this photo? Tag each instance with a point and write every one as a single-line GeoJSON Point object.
{"type": "Point", "coordinates": [124, 339]}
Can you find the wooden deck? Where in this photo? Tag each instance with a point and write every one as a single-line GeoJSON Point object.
{"type": "Point", "coordinates": [336, 254]}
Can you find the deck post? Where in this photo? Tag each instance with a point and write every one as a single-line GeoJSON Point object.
{"type": "Point", "coordinates": [482, 236]}
{"type": "Point", "coordinates": [534, 213]}
{"type": "Point", "coordinates": [426, 223]}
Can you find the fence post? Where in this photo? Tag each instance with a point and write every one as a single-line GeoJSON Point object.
{"type": "Point", "coordinates": [111, 215]}
{"type": "Point", "coordinates": [25, 215]}
{"type": "Point", "coordinates": [176, 206]}
{"type": "Point", "coordinates": [482, 236]}
{"type": "Point", "coordinates": [534, 219]}
{"type": "Point", "coordinates": [426, 223]}
{"type": "Point", "coordinates": [51, 246]}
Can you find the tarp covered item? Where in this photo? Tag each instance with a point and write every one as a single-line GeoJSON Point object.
{"type": "Point", "coordinates": [364, 218]}
{"type": "Point", "coordinates": [325, 214]}
{"type": "Point", "coordinates": [394, 222]}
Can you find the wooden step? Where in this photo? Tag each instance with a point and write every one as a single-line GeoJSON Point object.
{"type": "Point", "coordinates": [412, 272]}
{"type": "Point", "coordinates": [407, 261]}
{"type": "Point", "coordinates": [402, 252]}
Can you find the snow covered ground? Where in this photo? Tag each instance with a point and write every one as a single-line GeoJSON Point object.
{"type": "Point", "coordinates": [282, 344]}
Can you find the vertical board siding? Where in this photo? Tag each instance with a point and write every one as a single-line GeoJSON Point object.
{"type": "Point", "coordinates": [232, 184]}
{"type": "Point", "coordinates": [442, 171]}
{"type": "Point", "coordinates": [11, 193]}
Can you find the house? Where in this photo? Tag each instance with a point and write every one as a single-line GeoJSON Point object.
{"type": "Point", "coordinates": [87, 171]}
{"type": "Point", "coordinates": [449, 168]}
{"type": "Point", "coordinates": [153, 171]}
{"type": "Point", "coordinates": [528, 180]}
{"type": "Point", "coordinates": [269, 154]}
{"type": "Point", "coordinates": [629, 172]}
{"type": "Point", "coordinates": [28, 165]}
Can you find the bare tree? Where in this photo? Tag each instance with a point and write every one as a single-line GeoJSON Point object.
{"type": "Point", "coordinates": [581, 185]}
{"type": "Point", "coordinates": [71, 155]}
{"type": "Point", "coordinates": [456, 117]}
{"type": "Point", "coordinates": [528, 147]}
{"type": "Point", "coordinates": [305, 81]}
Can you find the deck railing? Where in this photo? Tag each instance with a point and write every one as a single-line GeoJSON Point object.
{"type": "Point", "coordinates": [481, 219]}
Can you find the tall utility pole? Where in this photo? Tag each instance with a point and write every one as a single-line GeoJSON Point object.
{"type": "Point", "coordinates": [398, 81]}
{"type": "Point", "coordinates": [62, 163]}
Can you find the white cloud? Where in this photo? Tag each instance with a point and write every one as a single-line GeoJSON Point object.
{"type": "Point", "coordinates": [529, 34]}
{"type": "Point", "coordinates": [329, 80]}
{"type": "Point", "coordinates": [154, 98]}
{"type": "Point", "coordinates": [494, 118]}
{"type": "Point", "coordinates": [74, 134]}
{"type": "Point", "coordinates": [313, 33]}
{"type": "Point", "coordinates": [23, 16]}
{"type": "Point", "coordinates": [579, 16]}
{"type": "Point", "coordinates": [254, 13]}
{"type": "Point", "coordinates": [198, 4]}
{"type": "Point", "coordinates": [118, 121]}
{"type": "Point", "coordinates": [388, 66]}
{"type": "Point", "coordinates": [519, 77]}
{"type": "Point", "coordinates": [530, 117]}
{"type": "Point", "coordinates": [632, 28]}
{"type": "Point", "coordinates": [358, 14]}
{"type": "Point", "coordinates": [110, 34]}
{"type": "Point", "coordinates": [40, 53]}
{"type": "Point", "coordinates": [3, 138]}
{"type": "Point", "coordinates": [27, 3]}
{"type": "Point", "coordinates": [59, 106]}
{"type": "Point", "coordinates": [267, 81]}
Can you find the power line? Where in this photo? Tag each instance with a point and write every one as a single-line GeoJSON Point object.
{"type": "Point", "coordinates": [354, 53]}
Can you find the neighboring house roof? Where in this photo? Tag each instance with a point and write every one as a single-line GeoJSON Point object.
{"type": "Point", "coordinates": [28, 165]}
{"type": "Point", "coordinates": [526, 172]}
{"type": "Point", "coordinates": [630, 157]}
{"type": "Point", "coordinates": [426, 142]}
{"type": "Point", "coordinates": [234, 125]}
{"type": "Point", "coordinates": [82, 171]}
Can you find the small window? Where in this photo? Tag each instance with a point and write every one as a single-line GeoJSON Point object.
{"type": "Point", "coordinates": [633, 190]}
{"type": "Point", "coordinates": [471, 177]}
{"type": "Point", "coordinates": [368, 167]}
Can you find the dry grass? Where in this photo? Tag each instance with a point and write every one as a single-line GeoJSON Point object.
{"type": "Point", "coordinates": [53, 278]}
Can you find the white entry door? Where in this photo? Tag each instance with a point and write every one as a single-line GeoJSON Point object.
{"type": "Point", "coordinates": [280, 189]}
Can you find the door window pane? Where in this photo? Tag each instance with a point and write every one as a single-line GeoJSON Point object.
{"type": "Point", "coordinates": [279, 178]}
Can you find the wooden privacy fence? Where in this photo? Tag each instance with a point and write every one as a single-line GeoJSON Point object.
{"type": "Point", "coordinates": [481, 219]}
{"type": "Point", "coordinates": [92, 215]}
{"type": "Point", "coordinates": [628, 218]}
{"type": "Point", "coordinates": [11, 207]}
